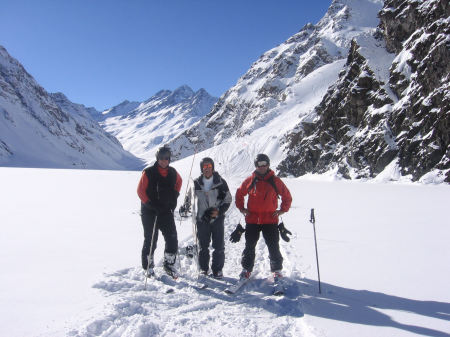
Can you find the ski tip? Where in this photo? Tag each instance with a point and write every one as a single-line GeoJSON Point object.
{"type": "Point", "coordinates": [201, 287]}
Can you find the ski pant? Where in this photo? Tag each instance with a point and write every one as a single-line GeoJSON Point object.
{"type": "Point", "coordinates": [206, 232]}
{"type": "Point", "coordinates": [272, 239]}
{"type": "Point", "coordinates": [166, 224]}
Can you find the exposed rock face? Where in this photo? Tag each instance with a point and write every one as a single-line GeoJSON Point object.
{"type": "Point", "coordinates": [419, 32]}
{"type": "Point", "coordinates": [359, 129]}
{"type": "Point", "coordinates": [349, 132]}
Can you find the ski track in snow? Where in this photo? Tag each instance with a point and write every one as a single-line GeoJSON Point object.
{"type": "Point", "coordinates": [134, 310]}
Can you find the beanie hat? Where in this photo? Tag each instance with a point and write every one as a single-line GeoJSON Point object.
{"type": "Point", "coordinates": [163, 152]}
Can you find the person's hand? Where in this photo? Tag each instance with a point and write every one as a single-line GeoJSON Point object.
{"type": "Point", "coordinates": [278, 213]}
{"type": "Point", "coordinates": [236, 235]}
{"type": "Point", "coordinates": [151, 207]}
{"type": "Point", "coordinates": [245, 211]}
{"type": "Point", "coordinates": [214, 213]}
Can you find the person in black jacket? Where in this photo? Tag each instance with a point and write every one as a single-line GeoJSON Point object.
{"type": "Point", "coordinates": [158, 189]}
{"type": "Point", "coordinates": [213, 200]}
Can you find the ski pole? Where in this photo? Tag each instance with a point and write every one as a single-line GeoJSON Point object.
{"type": "Point", "coordinates": [313, 221]}
{"type": "Point", "coordinates": [196, 248]}
{"type": "Point", "coordinates": [150, 255]}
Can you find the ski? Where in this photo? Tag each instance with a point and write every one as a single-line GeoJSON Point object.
{"type": "Point", "coordinates": [200, 285]}
{"type": "Point", "coordinates": [278, 285]}
{"type": "Point", "coordinates": [278, 289]}
{"type": "Point", "coordinates": [166, 281]}
{"type": "Point", "coordinates": [201, 282]}
{"type": "Point", "coordinates": [238, 285]}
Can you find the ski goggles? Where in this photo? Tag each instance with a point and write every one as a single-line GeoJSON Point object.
{"type": "Point", "coordinates": [164, 157]}
{"type": "Point", "coordinates": [208, 165]}
{"type": "Point", "coordinates": [262, 163]}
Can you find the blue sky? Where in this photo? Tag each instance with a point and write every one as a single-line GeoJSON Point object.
{"type": "Point", "coordinates": [101, 52]}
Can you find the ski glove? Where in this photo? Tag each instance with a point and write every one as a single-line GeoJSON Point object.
{"type": "Point", "coordinates": [151, 207]}
{"type": "Point", "coordinates": [206, 218]}
{"type": "Point", "coordinates": [236, 235]}
{"type": "Point", "coordinates": [284, 232]}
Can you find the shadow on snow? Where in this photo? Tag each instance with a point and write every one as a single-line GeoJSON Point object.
{"type": "Point", "coordinates": [360, 306]}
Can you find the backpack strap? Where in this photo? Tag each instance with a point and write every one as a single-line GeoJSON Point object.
{"type": "Point", "coordinates": [271, 181]}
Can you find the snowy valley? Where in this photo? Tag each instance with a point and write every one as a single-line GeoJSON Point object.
{"type": "Point", "coordinates": [71, 265]}
{"type": "Point", "coordinates": [353, 112]}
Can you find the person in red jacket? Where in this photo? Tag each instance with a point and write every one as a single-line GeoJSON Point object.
{"type": "Point", "coordinates": [263, 188]}
{"type": "Point", "coordinates": [158, 189]}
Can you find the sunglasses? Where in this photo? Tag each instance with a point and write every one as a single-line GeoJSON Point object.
{"type": "Point", "coordinates": [164, 158]}
{"type": "Point", "coordinates": [207, 166]}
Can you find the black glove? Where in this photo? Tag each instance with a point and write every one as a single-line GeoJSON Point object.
{"type": "Point", "coordinates": [236, 235]}
{"type": "Point", "coordinates": [206, 218]}
{"type": "Point", "coordinates": [284, 232]}
{"type": "Point", "coordinates": [151, 207]}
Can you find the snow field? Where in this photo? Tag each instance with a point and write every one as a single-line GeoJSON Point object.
{"type": "Point", "coordinates": [70, 255]}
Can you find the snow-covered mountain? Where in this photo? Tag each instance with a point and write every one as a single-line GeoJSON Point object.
{"type": "Point", "coordinates": [38, 129]}
{"type": "Point", "coordinates": [142, 127]}
{"type": "Point", "coordinates": [286, 81]}
{"type": "Point", "coordinates": [363, 93]}
{"type": "Point", "coordinates": [389, 116]}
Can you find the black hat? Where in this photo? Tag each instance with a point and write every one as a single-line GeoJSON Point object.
{"type": "Point", "coordinates": [163, 152]}
{"type": "Point", "coordinates": [206, 160]}
{"type": "Point", "coordinates": [260, 158]}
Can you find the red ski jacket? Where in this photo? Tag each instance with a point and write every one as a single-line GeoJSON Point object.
{"type": "Point", "coordinates": [263, 198]}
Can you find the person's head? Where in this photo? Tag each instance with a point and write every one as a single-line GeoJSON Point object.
{"type": "Point", "coordinates": [207, 167]}
{"type": "Point", "coordinates": [262, 163]}
{"type": "Point", "coordinates": [163, 156]}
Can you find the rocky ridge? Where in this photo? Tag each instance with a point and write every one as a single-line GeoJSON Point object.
{"type": "Point", "coordinates": [360, 129]}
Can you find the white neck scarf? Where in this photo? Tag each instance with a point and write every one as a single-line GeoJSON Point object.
{"type": "Point", "coordinates": [207, 183]}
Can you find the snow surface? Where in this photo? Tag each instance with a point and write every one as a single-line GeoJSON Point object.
{"type": "Point", "coordinates": [70, 259]}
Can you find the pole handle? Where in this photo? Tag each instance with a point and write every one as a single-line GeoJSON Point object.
{"type": "Point", "coordinates": [312, 218]}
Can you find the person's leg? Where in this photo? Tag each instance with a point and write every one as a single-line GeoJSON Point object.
{"type": "Point", "coordinates": [218, 244]}
{"type": "Point", "coordinates": [148, 221]}
{"type": "Point", "coordinates": [251, 239]}
{"type": "Point", "coordinates": [272, 239]}
{"type": "Point", "coordinates": [204, 238]}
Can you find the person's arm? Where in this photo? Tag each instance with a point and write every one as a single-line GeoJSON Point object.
{"type": "Point", "coordinates": [142, 188]}
{"type": "Point", "coordinates": [240, 194]}
{"type": "Point", "coordinates": [178, 183]}
{"type": "Point", "coordinates": [225, 204]}
{"type": "Point", "coordinates": [286, 198]}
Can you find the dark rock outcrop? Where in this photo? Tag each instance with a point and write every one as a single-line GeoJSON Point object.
{"type": "Point", "coordinates": [358, 130]}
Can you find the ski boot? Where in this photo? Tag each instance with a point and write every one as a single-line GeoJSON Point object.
{"type": "Point", "coordinates": [218, 275]}
{"type": "Point", "coordinates": [169, 265]}
{"type": "Point", "coordinates": [245, 274]}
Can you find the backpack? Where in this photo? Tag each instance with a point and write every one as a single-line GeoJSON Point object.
{"type": "Point", "coordinates": [271, 181]}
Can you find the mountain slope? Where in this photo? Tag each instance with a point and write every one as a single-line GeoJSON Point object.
{"type": "Point", "coordinates": [274, 86]}
{"type": "Point", "coordinates": [399, 123]}
{"type": "Point", "coordinates": [143, 127]}
{"type": "Point", "coordinates": [38, 129]}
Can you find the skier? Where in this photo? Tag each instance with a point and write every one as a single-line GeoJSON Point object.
{"type": "Point", "coordinates": [261, 215]}
{"type": "Point", "coordinates": [158, 189]}
{"type": "Point", "coordinates": [213, 200]}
